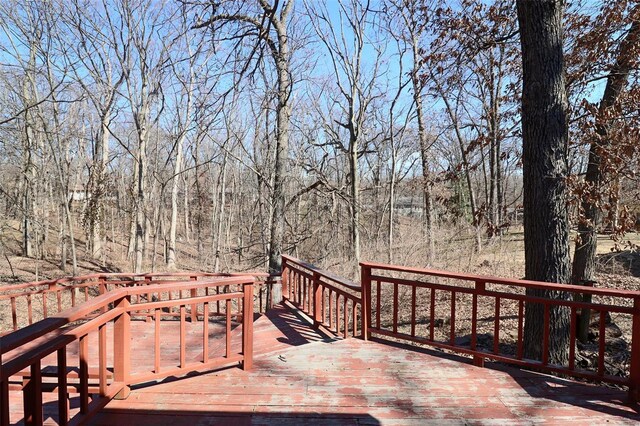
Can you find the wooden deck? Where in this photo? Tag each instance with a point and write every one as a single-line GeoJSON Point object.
{"type": "Point", "coordinates": [301, 376]}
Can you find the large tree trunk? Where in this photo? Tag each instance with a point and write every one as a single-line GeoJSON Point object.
{"type": "Point", "coordinates": [355, 200]}
{"type": "Point", "coordinates": [222, 188]}
{"type": "Point", "coordinates": [544, 157]}
{"type": "Point", "coordinates": [586, 245]}
{"type": "Point", "coordinates": [282, 149]}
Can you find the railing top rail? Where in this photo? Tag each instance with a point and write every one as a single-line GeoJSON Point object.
{"type": "Point", "coordinates": [97, 276]}
{"type": "Point", "coordinates": [324, 273]}
{"type": "Point", "coordinates": [539, 285]}
{"type": "Point", "coordinates": [40, 328]}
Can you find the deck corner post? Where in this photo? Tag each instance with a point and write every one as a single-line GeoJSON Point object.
{"type": "Point", "coordinates": [317, 300]}
{"type": "Point", "coordinates": [102, 288]}
{"type": "Point", "coordinates": [478, 361]}
{"type": "Point", "coordinates": [122, 346]}
{"type": "Point", "coordinates": [634, 369]}
{"type": "Point", "coordinates": [247, 327]}
{"type": "Point", "coordinates": [194, 307]}
{"type": "Point", "coordinates": [365, 285]}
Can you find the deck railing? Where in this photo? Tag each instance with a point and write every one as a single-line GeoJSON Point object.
{"type": "Point", "coordinates": [31, 302]}
{"type": "Point", "coordinates": [441, 309]}
{"type": "Point", "coordinates": [331, 301]}
{"type": "Point", "coordinates": [105, 370]}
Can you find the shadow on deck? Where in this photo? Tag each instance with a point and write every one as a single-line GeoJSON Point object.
{"type": "Point", "coordinates": [301, 376]}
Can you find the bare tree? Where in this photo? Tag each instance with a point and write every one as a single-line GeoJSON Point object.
{"type": "Point", "coordinates": [98, 73]}
{"type": "Point", "coordinates": [345, 39]}
{"type": "Point", "coordinates": [268, 25]}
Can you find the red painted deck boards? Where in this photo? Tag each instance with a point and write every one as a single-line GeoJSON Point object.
{"type": "Point", "coordinates": [301, 378]}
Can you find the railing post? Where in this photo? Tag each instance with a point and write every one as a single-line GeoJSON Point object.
{"type": "Point", "coordinates": [247, 327]}
{"type": "Point", "coordinates": [194, 307]}
{"type": "Point", "coordinates": [122, 347]}
{"type": "Point", "coordinates": [634, 369]}
{"type": "Point", "coordinates": [317, 299]}
{"type": "Point", "coordinates": [365, 297]}
{"type": "Point", "coordinates": [102, 288]}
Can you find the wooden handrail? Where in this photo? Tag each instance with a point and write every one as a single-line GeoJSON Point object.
{"type": "Point", "coordinates": [538, 285]}
{"type": "Point", "coordinates": [44, 344]}
{"type": "Point", "coordinates": [322, 272]}
{"type": "Point", "coordinates": [30, 302]}
{"type": "Point", "coordinates": [383, 285]}
{"type": "Point", "coordinates": [64, 280]}
{"type": "Point", "coordinates": [333, 302]}
{"type": "Point", "coordinates": [40, 328]}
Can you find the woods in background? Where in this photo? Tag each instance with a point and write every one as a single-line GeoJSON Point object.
{"type": "Point", "coordinates": [172, 135]}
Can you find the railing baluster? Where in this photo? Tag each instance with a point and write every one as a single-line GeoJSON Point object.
{"type": "Point", "coordinates": [395, 307]}
{"type": "Point", "coordinates": [44, 305]}
{"type": "Point", "coordinates": [545, 336]}
{"type": "Point", "coordinates": [218, 302]}
{"type": "Point", "coordinates": [346, 317]}
{"type": "Point", "coordinates": [14, 313]}
{"type": "Point", "coordinates": [305, 297]}
{"type": "Point", "coordinates": [413, 311]}
{"type": "Point", "coordinates": [83, 374]}
{"type": "Point", "coordinates": [474, 319]}
{"type": "Point", "coordinates": [331, 316]}
{"type": "Point", "coordinates": [29, 309]}
{"type": "Point", "coordinates": [572, 338]}
{"type": "Point", "coordinates": [205, 332]}
{"type": "Point", "coordinates": [378, 303]}
{"type": "Point", "coordinates": [601, 342]}
{"type": "Point", "coordinates": [32, 396]}
{"type": "Point", "coordinates": [317, 300]}
{"type": "Point", "coordinates": [63, 396]}
{"type": "Point", "coordinates": [183, 336]}
{"type": "Point", "coordinates": [452, 332]}
{"type": "Point", "coordinates": [324, 305]}
{"type": "Point", "coordinates": [194, 307]}
{"type": "Point", "coordinates": [102, 359]}
{"type": "Point", "coordinates": [496, 327]}
{"type": "Point", "coordinates": [520, 330]}
{"type": "Point", "coordinates": [156, 342]}
{"type": "Point", "coordinates": [432, 314]}
{"type": "Point", "coordinates": [59, 298]}
{"type": "Point", "coordinates": [311, 296]}
{"type": "Point", "coordinates": [228, 329]}
{"type": "Point", "coordinates": [354, 319]}
{"type": "Point", "coordinates": [337, 313]}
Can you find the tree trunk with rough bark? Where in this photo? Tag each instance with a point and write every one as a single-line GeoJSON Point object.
{"type": "Point", "coordinates": [544, 157]}
{"type": "Point", "coordinates": [584, 258]}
